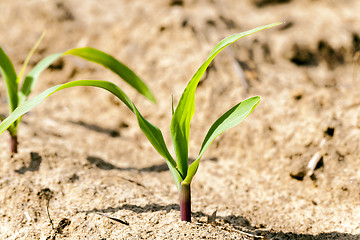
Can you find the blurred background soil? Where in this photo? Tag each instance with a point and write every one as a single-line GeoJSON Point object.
{"type": "Point", "coordinates": [82, 155]}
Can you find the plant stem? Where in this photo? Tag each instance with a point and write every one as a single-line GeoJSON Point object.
{"type": "Point", "coordinates": [14, 143]}
{"type": "Point", "coordinates": [185, 202]}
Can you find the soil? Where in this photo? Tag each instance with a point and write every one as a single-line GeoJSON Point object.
{"type": "Point", "coordinates": [85, 171]}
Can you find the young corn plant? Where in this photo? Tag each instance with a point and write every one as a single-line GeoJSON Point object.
{"type": "Point", "coordinates": [16, 95]}
{"type": "Point", "coordinates": [180, 169]}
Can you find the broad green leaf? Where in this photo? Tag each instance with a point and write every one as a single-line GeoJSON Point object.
{"type": "Point", "coordinates": [155, 137]}
{"type": "Point", "coordinates": [8, 73]}
{"type": "Point", "coordinates": [31, 103]}
{"type": "Point", "coordinates": [192, 170]}
{"type": "Point", "coordinates": [33, 75]}
{"type": "Point", "coordinates": [152, 132]}
{"type": "Point", "coordinates": [92, 55]}
{"type": "Point", "coordinates": [180, 123]}
{"type": "Point", "coordinates": [114, 65]}
{"type": "Point", "coordinates": [228, 120]}
{"type": "Point", "coordinates": [28, 57]}
{"type": "Point", "coordinates": [176, 175]}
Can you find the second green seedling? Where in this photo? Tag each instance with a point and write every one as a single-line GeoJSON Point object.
{"type": "Point", "coordinates": [17, 95]}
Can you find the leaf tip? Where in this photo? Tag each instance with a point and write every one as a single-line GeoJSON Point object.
{"type": "Point", "coordinates": [257, 98]}
{"type": "Point", "coordinates": [152, 98]}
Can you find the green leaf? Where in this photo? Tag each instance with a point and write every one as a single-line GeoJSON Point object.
{"type": "Point", "coordinates": [8, 73]}
{"type": "Point", "coordinates": [33, 75]}
{"type": "Point", "coordinates": [29, 56]}
{"type": "Point", "coordinates": [92, 55]}
{"type": "Point", "coordinates": [176, 175]}
{"type": "Point", "coordinates": [152, 132]}
{"type": "Point", "coordinates": [114, 65]}
{"type": "Point", "coordinates": [31, 103]}
{"type": "Point", "coordinates": [180, 123]}
{"type": "Point", "coordinates": [228, 120]}
{"type": "Point", "coordinates": [155, 137]}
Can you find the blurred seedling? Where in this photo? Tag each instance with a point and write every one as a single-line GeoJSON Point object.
{"type": "Point", "coordinates": [180, 169]}
{"type": "Point", "coordinates": [18, 89]}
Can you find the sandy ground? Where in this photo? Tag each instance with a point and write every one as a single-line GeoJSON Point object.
{"type": "Point", "coordinates": [83, 160]}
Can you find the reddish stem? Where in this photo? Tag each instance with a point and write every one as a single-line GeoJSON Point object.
{"type": "Point", "coordinates": [185, 202]}
{"type": "Point", "coordinates": [14, 143]}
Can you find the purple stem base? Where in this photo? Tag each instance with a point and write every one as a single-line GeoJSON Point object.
{"type": "Point", "coordinates": [185, 202]}
{"type": "Point", "coordinates": [14, 144]}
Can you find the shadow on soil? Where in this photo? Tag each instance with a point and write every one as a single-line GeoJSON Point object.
{"type": "Point", "coordinates": [100, 163]}
{"type": "Point", "coordinates": [237, 222]}
{"type": "Point", "coordinates": [34, 164]}
{"type": "Point", "coordinates": [96, 128]}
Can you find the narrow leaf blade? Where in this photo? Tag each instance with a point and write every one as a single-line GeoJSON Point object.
{"type": "Point", "coordinates": [172, 105]}
{"type": "Point", "coordinates": [92, 55]}
{"type": "Point", "coordinates": [108, 61]}
{"type": "Point", "coordinates": [33, 102]}
{"type": "Point", "coordinates": [29, 56]}
{"type": "Point", "coordinates": [152, 132]}
{"type": "Point", "coordinates": [180, 123]}
{"type": "Point", "coordinates": [228, 120]}
{"type": "Point", "coordinates": [8, 73]}
{"type": "Point", "coordinates": [155, 137]}
{"type": "Point", "coordinates": [33, 75]}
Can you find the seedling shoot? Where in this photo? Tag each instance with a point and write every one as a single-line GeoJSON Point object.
{"type": "Point", "coordinates": [181, 171]}
{"type": "Point", "coordinates": [16, 95]}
